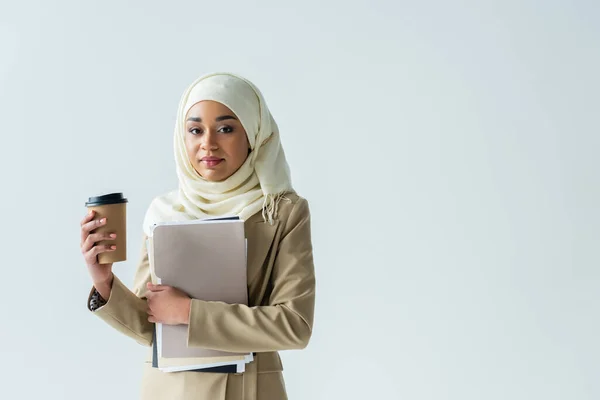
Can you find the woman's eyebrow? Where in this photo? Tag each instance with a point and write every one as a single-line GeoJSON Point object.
{"type": "Point", "coordinates": [224, 117]}
{"type": "Point", "coordinates": [218, 119]}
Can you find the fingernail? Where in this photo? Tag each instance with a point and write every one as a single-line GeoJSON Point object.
{"type": "Point", "coordinates": [113, 235]}
{"type": "Point", "coordinates": [103, 220]}
{"type": "Point", "coordinates": [113, 247]}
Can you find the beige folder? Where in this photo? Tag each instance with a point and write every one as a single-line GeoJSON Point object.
{"type": "Point", "coordinates": [206, 260]}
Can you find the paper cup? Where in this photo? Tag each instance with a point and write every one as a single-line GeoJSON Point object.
{"type": "Point", "coordinates": [113, 207]}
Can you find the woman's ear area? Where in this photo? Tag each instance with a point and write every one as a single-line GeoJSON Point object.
{"type": "Point", "coordinates": [248, 142]}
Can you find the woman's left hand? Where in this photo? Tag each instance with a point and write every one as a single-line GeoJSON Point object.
{"type": "Point", "coordinates": [167, 305]}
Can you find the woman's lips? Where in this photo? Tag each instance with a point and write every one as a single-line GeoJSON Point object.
{"type": "Point", "coordinates": [211, 161]}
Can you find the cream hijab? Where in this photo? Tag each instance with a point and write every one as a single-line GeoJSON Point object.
{"type": "Point", "coordinates": [259, 183]}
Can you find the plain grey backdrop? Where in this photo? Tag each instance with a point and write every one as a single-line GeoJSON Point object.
{"type": "Point", "coordinates": [449, 151]}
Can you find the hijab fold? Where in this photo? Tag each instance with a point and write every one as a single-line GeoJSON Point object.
{"type": "Point", "coordinates": [257, 185]}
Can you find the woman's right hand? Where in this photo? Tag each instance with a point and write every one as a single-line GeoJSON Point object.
{"type": "Point", "coordinates": [101, 274]}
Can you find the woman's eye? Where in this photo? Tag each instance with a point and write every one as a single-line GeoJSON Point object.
{"type": "Point", "coordinates": [195, 131]}
{"type": "Point", "coordinates": [226, 129]}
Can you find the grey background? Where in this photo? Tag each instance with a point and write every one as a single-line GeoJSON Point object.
{"type": "Point", "coordinates": [448, 151]}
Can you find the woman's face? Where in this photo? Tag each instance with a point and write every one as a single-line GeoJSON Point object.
{"type": "Point", "coordinates": [215, 140]}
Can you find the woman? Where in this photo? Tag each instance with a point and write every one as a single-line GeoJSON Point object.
{"type": "Point", "coordinates": [229, 160]}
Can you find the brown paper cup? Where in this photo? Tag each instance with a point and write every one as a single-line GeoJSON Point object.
{"type": "Point", "coordinates": [116, 222]}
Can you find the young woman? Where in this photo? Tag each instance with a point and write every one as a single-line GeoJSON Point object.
{"type": "Point", "coordinates": [229, 161]}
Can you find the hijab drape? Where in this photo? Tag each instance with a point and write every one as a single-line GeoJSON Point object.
{"type": "Point", "coordinates": [257, 185]}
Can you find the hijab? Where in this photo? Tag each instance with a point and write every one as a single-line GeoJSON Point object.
{"type": "Point", "coordinates": [257, 185]}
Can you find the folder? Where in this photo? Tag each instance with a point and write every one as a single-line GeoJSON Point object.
{"type": "Point", "coordinates": [207, 260]}
{"type": "Point", "coordinates": [192, 364]}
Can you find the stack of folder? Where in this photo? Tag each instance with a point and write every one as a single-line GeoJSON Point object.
{"type": "Point", "coordinates": [206, 259]}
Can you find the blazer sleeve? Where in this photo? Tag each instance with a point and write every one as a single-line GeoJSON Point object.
{"type": "Point", "coordinates": [125, 309]}
{"type": "Point", "coordinates": [286, 321]}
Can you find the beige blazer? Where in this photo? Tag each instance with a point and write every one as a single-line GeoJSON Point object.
{"type": "Point", "coordinates": [281, 289]}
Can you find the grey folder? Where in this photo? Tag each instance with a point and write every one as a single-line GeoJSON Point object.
{"type": "Point", "coordinates": [205, 259]}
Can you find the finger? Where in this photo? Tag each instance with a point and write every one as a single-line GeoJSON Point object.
{"type": "Point", "coordinates": [89, 216]}
{"type": "Point", "coordinates": [152, 287]}
{"type": "Point", "coordinates": [91, 257]}
{"type": "Point", "coordinates": [105, 248]}
{"type": "Point", "coordinates": [157, 288]}
{"type": "Point", "coordinates": [152, 318]}
{"type": "Point", "coordinates": [94, 238]}
{"type": "Point", "coordinates": [90, 226]}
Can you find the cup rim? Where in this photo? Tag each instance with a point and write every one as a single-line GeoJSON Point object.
{"type": "Point", "coordinates": [106, 199]}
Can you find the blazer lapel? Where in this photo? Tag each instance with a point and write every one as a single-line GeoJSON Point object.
{"type": "Point", "coordinates": [260, 237]}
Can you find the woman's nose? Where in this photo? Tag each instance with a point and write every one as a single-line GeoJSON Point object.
{"type": "Point", "coordinates": [208, 141]}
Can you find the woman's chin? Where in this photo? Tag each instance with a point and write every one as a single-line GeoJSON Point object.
{"type": "Point", "coordinates": [211, 175]}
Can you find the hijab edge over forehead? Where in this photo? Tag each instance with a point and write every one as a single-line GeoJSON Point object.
{"type": "Point", "coordinates": [233, 92]}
